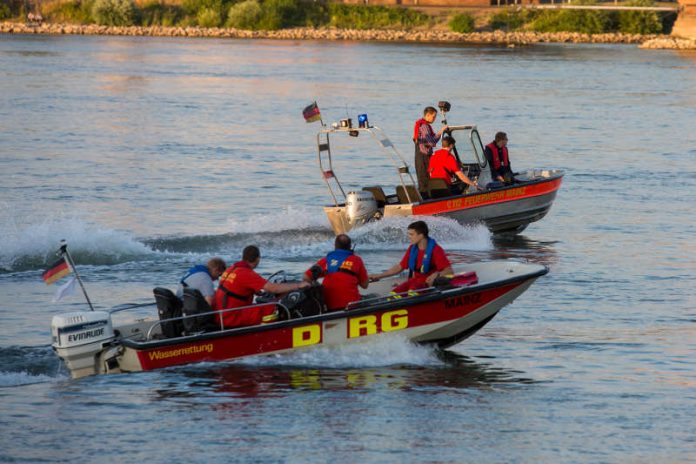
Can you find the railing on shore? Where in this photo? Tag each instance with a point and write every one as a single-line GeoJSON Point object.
{"type": "Point", "coordinates": [565, 6]}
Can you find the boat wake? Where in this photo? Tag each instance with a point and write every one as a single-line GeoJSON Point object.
{"type": "Point", "coordinates": [391, 234]}
{"type": "Point", "coordinates": [33, 246]}
{"type": "Point", "coordinates": [26, 365]}
{"type": "Point", "coordinates": [393, 351]}
{"type": "Point", "coordinates": [289, 235]}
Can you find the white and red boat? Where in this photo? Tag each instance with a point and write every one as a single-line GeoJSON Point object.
{"type": "Point", "coordinates": [503, 208]}
{"type": "Point", "coordinates": [90, 342]}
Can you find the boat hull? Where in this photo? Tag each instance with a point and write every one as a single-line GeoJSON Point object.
{"type": "Point", "coordinates": [509, 209]}
{"type": "Point", "coordinates": [442, 318]}
{"type": "Point", "coordinates": [506, 210]}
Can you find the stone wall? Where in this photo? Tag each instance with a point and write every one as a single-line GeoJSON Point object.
{"type": "Point", "coordinates": [499, 37]}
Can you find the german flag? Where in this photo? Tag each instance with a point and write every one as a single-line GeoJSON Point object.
{"type": "Point", "coordinates": [312, 113]}
{"type": "Point", "coordinates": [57, 271]}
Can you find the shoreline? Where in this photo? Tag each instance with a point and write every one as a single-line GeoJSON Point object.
{"type": "Point", "coordinates": [654, 41]}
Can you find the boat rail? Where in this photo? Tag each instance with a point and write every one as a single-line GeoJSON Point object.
{"type": "Point", "coordinates": [148, 335]}
{"type": "Point", "coordinates": [392, 296]}
{"type": "Point", "coordinates": [474, 155]}
{"type": "Point", "coordinates": [326, 165]}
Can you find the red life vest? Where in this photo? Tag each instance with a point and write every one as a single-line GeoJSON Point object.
{"type": "Point", "coordinates": [226, 286]}
{"type": "Point", "coordinates": [497, 162]}
{"type": "Point", "coordinates": [416, 129]}
{"type": "Point", "coordinates": [226, 298]}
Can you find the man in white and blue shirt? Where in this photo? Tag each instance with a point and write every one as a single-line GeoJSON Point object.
{"type": "Point", "coordinates": [201, 278]}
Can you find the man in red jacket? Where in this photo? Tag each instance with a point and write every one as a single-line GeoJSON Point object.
{"type": "Point", "coordinates": [237, 287]}
{"type": "Point", "coordinates": [342, 271]}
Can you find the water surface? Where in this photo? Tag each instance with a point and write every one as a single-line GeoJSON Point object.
{"type": "Point", "coordinates": [151, 154]}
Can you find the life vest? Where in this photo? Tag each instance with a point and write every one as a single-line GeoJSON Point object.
{"type": "Point", "coordinates": [226, 282]}
{"type": "Point", "coordinates": [258, 314]}
{"type": "Point", "coordinates": [194, 270]}
{"type": "Point", "coordinates": [497, 162]}
{"type": "Point", "coordinates": [335, 260]}
{"type": "Point", "coordinates": [427, 257]}
{"type": "Point", "coordinates": [416, 129]}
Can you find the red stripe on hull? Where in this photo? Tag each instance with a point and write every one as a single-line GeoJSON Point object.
{"type": "Point", "coordinates": [397, 318]}
{"type": "Point", "coordinates": [488, 198]}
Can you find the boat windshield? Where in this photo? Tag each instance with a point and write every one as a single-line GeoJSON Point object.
{"type": "Point", "coordinates": [478, 148]}
{"type": "Point", "coordinates": [469, 146]}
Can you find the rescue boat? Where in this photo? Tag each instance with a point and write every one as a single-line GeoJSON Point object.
{"type": "Point", "coordinates": [92, 342]}
{"type": "Point", "coordinates": [503, 208]}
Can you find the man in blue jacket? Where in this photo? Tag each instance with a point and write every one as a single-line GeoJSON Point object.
{"type": "Point", "coordinates": [201, 278]}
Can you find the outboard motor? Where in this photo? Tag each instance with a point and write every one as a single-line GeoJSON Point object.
{"type": "Point", "coordinates": [361, 206]}
{"type": "Point", "coordinates": [78, 337]}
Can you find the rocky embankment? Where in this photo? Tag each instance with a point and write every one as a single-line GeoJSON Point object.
{"type": "Point", "coordinates": [499, 37]}
{"type": "Point", "coordinates": [673, 43]}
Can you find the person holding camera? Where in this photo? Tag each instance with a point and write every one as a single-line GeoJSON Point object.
{"type": "Point", "coordinates": [342, 271]}
{"type": "Point", "coordinates": [425, 140]}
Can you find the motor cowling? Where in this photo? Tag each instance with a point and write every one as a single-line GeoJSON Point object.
{"type": "Point", "coordinates": [361, 207]}
{"type": "Point", "coordinates": [78, 337]}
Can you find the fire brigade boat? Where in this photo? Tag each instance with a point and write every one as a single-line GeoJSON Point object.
{"type": "Point", "coordinates": [502, 208]}
{"type": "Point", "coordinates": [92, 342]}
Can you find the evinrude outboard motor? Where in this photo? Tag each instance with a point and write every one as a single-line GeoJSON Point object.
{"type": "Point", "coordinates": [361, 207]}
{"type": "Point", "coordinates": [78, 337]}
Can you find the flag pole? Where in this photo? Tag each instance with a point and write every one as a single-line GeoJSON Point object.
{"type": "Point", "coordinates": [64, 253]}
{"type": "Point", "coordinates": [321, 120]}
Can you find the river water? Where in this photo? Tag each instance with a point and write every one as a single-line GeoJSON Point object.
{"type": "Point", "coordinates": [149, 155]}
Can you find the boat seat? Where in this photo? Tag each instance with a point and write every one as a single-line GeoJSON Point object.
{"type": "Point", "coordinates": [412, 192]}
{"type": "Point", "coordinates": [379, 195]}
{"type": "Point", "coordinates": [168, 307]}
{"type": "Point", "coordinates": [438, 188]}
{"type": "Point", "coordinates": [194, 303]}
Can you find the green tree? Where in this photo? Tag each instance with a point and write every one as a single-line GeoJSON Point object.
{"type": "Point", "coordinates": [244, 15]}
{"type": "Point", "coordinates": [114, 12]}
{"type": "Point", "coordinates": [640, 22]}
{"type": "Point", "coordinates": [462, 23]}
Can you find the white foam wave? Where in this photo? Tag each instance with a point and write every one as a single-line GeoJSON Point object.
{"type": "Point", "coordinates": [374, 352]}
{"type": "Point", "coordinates": [15, 379]}
{"type": "Point", "coordinates": [291, 218]}
{"type": "Point", "coordinates": [41, 239]}
{"type": "Point", "coordinates": [389, 234]}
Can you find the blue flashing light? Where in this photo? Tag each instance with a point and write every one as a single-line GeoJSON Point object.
{"type": "Point", "coordinates": [362, 121]}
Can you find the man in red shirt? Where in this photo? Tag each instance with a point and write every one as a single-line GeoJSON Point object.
{"type": "Point", "coordinates": [443, 165]}
{"type": "Point", "coordinates": [237, 287]}
{"type": "Point", "coordinates": [342, 271]}
{"type": "Point", "coordinates": [425, 260]}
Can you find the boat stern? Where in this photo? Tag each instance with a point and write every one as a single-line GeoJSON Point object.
{"type": "Point", "coordinates": [338, 219]}
{"type": "Point", "coordinates": [79, 338]}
